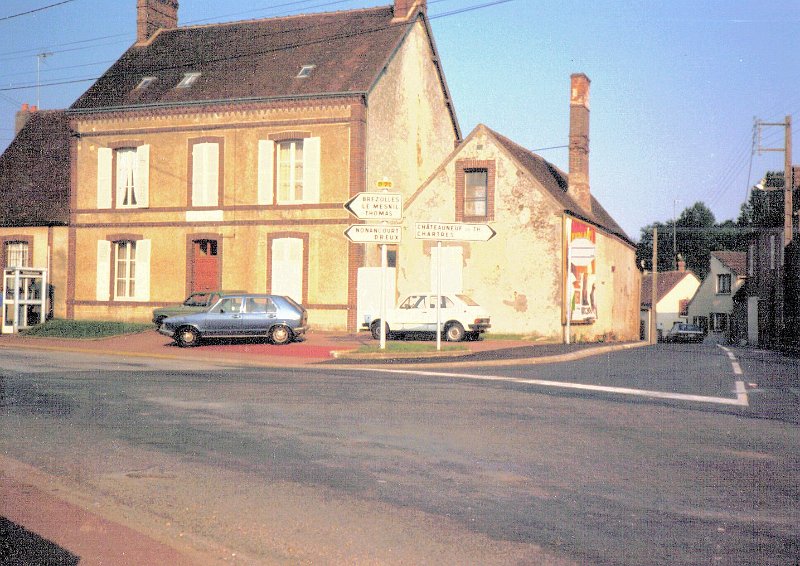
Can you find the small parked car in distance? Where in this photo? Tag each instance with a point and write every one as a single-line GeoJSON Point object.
{"type": "Point", "coordinates": [460, 316]}
{"type": "Point", "coordinates": [684, 332]}
{"type": "Point", "coordinates": [246, 315]}
{"type": "Point", "coordinates": [196, 302]}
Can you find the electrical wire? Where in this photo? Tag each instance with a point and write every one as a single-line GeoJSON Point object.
{"type": "Point", "coordinates": [35, 10]}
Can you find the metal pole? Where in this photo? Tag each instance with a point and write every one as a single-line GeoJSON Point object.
{"type": "Point", "coordinates": [569, 292]}
{"type": "Point", "coordinates": [15, 323]}
{"type": "Point", "coordinates": [383, 297]}
{"type": "Point", "coordinates": [438, 296]}
{"type": "Point", "coordinates": [674, 238]}
{"type": "Point", "coordinates": [654, 299]}
{"type": "Point", "coordinates": [787, 184]}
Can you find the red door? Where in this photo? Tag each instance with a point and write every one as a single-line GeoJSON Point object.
{"type": "Point", "coordinates": [205, 265]}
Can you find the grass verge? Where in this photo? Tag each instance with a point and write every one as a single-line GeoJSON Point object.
{"type": "Point", "coordinates": [409, 347]}
{"type": "Point", "coordinates": [86, 329]}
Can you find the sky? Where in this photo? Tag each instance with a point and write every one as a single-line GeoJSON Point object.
{"type": "Point", "coordinates": [677, 85]}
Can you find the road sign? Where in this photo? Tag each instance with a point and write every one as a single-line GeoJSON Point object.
{"type": "Point", "coordinates": [458, 231]}
{"type": "Point", "coordinates": [376, 206]}
{"type": "Point", "coordinates": [374, 233]}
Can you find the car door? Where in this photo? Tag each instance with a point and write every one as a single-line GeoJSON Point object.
{"type": "Point", "coordinates": [258, 316]}
{"type": "Point", "coordinates": [414, 314]}
{"type": "Point", "coordinates": [224, 319]}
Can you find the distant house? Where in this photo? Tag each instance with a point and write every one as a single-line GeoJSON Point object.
{"type": "Point", "coordinates": [34, 191]}
{"type": "Point", "coordinates": [712, 305]}
{"type": "Point", "coordinates": [674, 290]}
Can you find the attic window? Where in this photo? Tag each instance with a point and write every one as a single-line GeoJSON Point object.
{"type": "Point", "coordinates": [305, 72]}
{"type": "Point", "coordinates": [188, 79]}
{"type": "Point", "coordinates": [145, 82]}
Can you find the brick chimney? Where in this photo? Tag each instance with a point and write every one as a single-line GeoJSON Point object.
{"type": "Point", "coordinates": [153, 15]}
{"type": "Point", "coordinates": [404, 9]}
{"type": "Point", "coordinates": [22, 117]}
{"type": "Point", "coordinates": [579, 141]}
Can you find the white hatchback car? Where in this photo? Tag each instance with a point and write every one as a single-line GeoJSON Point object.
{"type": "Point", "coordinates": [460, 316]}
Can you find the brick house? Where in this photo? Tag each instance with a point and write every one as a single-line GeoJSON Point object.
{"type": "Point", "coordinates": [220, 156]}
{"type": "Point", "coordinates": [712, 305]}
{"type": "Point", "coordinates": [559, 262]}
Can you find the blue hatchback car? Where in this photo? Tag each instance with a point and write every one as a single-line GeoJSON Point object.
{"type": "Point", "coordinates": [245, 315]}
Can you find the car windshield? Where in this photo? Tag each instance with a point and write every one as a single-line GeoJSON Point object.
{"type": "Point", "coordinates": [197, 300]}
{"type": "Point", "coordinates": [467, 300]}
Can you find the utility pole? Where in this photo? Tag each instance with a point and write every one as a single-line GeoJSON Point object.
{"type": "Point", "coordinates": [674, 238]}
{"type": "Point", "coordinates": [654, 300]}
{"type": "Point", "coordinates": [787, 171]}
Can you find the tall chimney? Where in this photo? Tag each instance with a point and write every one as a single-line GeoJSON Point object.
{"type": "Point", "coordinates": [153, 15]}
{"type": "Point", "coordinates": [404, 9]}
{"type": "Point", "coordinates": [579, 141]}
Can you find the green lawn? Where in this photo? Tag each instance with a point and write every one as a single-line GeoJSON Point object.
{"type": "Point", "coordinates": [409, 347]}
{"type": "Point", "coordinates": [57, 328]}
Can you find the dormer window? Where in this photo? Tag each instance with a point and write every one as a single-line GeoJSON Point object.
{"type": "Point", "coordinates": [305, 72]}
{"type": "Point", "coordinates": [145, 82]}
{"type": "Point", "coordinates": [188, 79]}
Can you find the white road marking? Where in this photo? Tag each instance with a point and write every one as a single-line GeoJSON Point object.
{"type": "Point", "coordinates": [741, 394]}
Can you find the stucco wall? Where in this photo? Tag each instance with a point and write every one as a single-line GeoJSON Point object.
{"type": "Point", "coordinates": [409, 128]}
{"type": "Point", "coordinates": [707, 300]}
{"type": "Point", "coordinates": [668, 308]}
{"type": "Point", "coordinates": [518, 274]}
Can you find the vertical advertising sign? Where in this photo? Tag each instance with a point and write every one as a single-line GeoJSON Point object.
{"type": "Point", "coordinates": [581, 272]}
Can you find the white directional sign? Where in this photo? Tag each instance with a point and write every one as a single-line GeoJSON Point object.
{"type": "Point", "coordinates": [374, 233]}
{"type": "Point", "coordinates": [453, 231]}
{"type": "Point", "coordinates": [376, 206]}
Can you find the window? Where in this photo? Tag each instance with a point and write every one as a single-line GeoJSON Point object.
{"type": "Point", "coordinates": [17, 254]}
{"type": "Point", "coordinates": [259, 305]}
{"type": "Point", "coordinates": [305, 72]}
{"type": "Point", "coordinates": [289, 169]}
{"type": "Point", "coordinates": [145, 82]}
{"type": "Point", "coordinates": [188, 79]}
{"type": "Point", "coordinates": [127, 170]}
{"type": "Point", "coordinates": [724, 284]}
{"type": "Point", "coordinates": [476, 192]}
{"type": "Point", "coordinates": [206, 172]}
{"type": "Point", "coordinates": [475, 184]}
{"type": "Point", "coordinates": [719, 322]}
{"type": "Point", "coordinates": [123, 269]}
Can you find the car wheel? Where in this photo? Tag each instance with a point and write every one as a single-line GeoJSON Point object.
{"type": "Point", "coordinates": [187, 336]}
{"type": "Point", "coordinates": [454, 332]}
{"type": "Point", "coordinates": [280, 335]}
{"type": "Point", "coordinates": [375, 329]}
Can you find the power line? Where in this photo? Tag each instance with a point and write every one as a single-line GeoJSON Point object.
{"type": "Point", "coordinates": [285, 47]}
{"type": "Point", "coordinates": [36, 10]}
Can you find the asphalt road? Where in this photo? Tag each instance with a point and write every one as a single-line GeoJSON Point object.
{"type": "Point", "coordinates": [471, 463]}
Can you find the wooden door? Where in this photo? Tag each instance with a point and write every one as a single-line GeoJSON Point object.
{"type": "Point", "coordinates": [205, 265]}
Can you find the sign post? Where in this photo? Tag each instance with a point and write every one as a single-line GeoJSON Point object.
{"type": "Point", "coordinates": [384, 206]}
{"type": "Point", "coordinates": [450, 231]}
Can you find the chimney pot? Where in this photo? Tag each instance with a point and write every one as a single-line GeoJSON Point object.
{"type": "Point", "coordinates": [24, 107]}
{"type": "Point", "coordinates": [34, 108]}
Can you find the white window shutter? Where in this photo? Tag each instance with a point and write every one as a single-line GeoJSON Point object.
{"type": "Point", "coordinates": [287, 268]}
{"type": "Point", "coordinates": [143, 270]}
{"type": "Point", "coordinates": [104, 159]}
{"type": "Point", "coordinates": [266, 164]}
{"type": "Point", "coordinates": [311, 166]}
{"type": "Point", "coordinates": [205, 174]}
{"type": "Point", "coordinates": [212, 182]}
{"type": "Point", "coordinates": [197, 174]}
{"type": "Point", "coordinates": [103, 291]}
{"type": "Point", "coordinates": [143, 176]}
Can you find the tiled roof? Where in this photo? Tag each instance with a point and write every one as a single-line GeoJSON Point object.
{"type": "Point", "coordinates": [735, 261]}
{"type": "Point", "coordinates": [556, 182]}
{"type": "Point", "coordinates": [257, 59]}
{"type": "Point", "coordinates": [35, 173]}
{"type": "Point", "coordinates": [667, 280]}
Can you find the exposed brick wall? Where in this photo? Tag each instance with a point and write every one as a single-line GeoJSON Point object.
{"type": "Point", "coordinates": [153, 15]}
{"type": "Point", "coordinates": [579, 141]}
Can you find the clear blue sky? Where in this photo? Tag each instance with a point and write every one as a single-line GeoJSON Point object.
{"type": "Point", "coordinates": [676, 84]}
